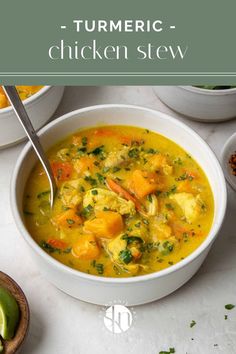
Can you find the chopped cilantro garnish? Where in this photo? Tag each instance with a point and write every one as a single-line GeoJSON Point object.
{"type": "Point", "coordinates": [105, 169]}
{"type": "Point", "coordinates": [116, 169]}
{"type": "Point", "coordinates": [84, 140]}
{"type": "Point", "coordinates": [184, 176]}
{"type": "Point", "coordinates": [94, 192]}
{"type": "Point", "coordinates": [91, 180]}
{"type": "Point", "coordinates": [81, 150]}
{"type": "Point", "coordinates": [99, 267]}
{"type": "Point", "coordinates": [87, 210]}
{"type": "Point", "coordinates": [125, 256]}
{"type": "Point", "coordinates": [50, 249]}
{"type": "Point", "coordinates": [43, 194]}
{"type": "Point", "coordinates": [193, 323]}
{"type": "Point", "coordinates": [169, 206]}
{"type": "Point", "coordinates": [100, 178]}
{"type": "Point", "coordinates": [98, 150]}
{"type": "Point", "coordinates": [132, 239]}
{"type": "Point", "coordinates": [70, 221]}
{"type": "Point", "coordinates": [26, 212]}
{"type": "Point", "coordinates": [133, 153]}
{"type": "Point", "coordinates": [172, 190]}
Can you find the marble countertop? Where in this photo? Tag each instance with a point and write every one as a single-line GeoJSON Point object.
{"type": "Point", "coordinates": [61, 324]}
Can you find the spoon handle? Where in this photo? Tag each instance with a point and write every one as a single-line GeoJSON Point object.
{"type": "Point", "coordinates": [23, 117]}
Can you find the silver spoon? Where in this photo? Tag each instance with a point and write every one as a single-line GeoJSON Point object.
{"type": "Point", "coordinates": [23, 117]}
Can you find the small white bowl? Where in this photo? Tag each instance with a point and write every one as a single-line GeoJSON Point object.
{"type": "Point", "coordinates": [198, 103]}
{"type": "Point", "coordinates": [134, 290]}
{"type": "Point", "coordinates": [40, 107]}
{"type": "Point", "coordinates": [229, 149]}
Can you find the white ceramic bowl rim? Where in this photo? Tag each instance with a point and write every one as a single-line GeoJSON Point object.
{"type": "Point", "coordinates": [141, 278]}
{"type": "Point", "coordinates": [28, 100]}
{"type": "Point", "coordinates": [204, 91]}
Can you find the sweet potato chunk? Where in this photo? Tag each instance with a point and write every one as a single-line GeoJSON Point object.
{"type": "Point", "coordinates": [68, 219]}
{"type": "Point", "coordinates": [144, 183]}
{"type": "Point", "coordinates": [106, 224]}
{"type": "Point", "coordinates": [86, 247]}
{"type": "Point", "coordinates": [84, 164]}
{"type": "Point", "coordinates": [62, 170]}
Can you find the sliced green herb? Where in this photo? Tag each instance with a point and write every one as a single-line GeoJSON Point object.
{"type": "Point", "coordinates": [100, 268]}
{"type": "Point", "coordinates": [193, 323]}
{"type": "Point", "coordinates": [82, 150]}
{"type": "Point", "coordinates": [125, 256]}
{"type": "Point", "coordinates": [101, 178]}
{"type": "Point", "coordinates": [184, 176]}
{"type": "Point", "coordinates": [152, 151]}
{"type": "Point", "coordinates": [229, 306]}
{"type": "Point", "coordinates": [84, 141]}
{"type": "Point", "coordinates": [91, 180]}
{"type": "Point", "coordinates": [169, 206]}
{"type": "Point", "coordinates": [43, 194]}
{"type": "Point", "coordinates": [82, 189]}
{"type": "Point", "coordinates": [133, 153]}
{"type": "Point", "coordinates": [132, 239]}
{"type": "Point", "coordinates": [98, 150]}
{"type": "Point", "coordinates": [172, 190]}
{"type": "Point", "coordinates": [116, 169]}
{"type": "Point", "coordinates": [87, 210]}
{"type": "Point", "coordinates": [105, 169]}
{"type": "Point", "coordinates": [26, 212]}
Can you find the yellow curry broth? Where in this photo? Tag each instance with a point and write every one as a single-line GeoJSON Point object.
{"type": "Point", "coordinates": [23, 91]}
{"type": "Point", "coordinates": [159, 211]}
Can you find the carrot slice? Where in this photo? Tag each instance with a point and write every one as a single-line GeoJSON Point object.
{"type": "Point", "coordinates": [115, 187]}
{"type": "Point", "coordinates": [62, 170]}
{"type": "Point", "coordinates": [57, 243]}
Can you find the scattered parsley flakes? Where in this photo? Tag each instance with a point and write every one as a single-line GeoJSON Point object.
{"type": "Point", "coordinates": [193, 323]}
{"type": "Point", "coordinates": [229, 306]}
{"type": "Point", "coordinates": [226, 317]}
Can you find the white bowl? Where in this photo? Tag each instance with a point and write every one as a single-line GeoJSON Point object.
{"type": "Point", "coordinates": [135, 290]}
{"type": "Point", "coordinates": [200, 104]}
{"type": "Point", "coordinates": [40, 107]}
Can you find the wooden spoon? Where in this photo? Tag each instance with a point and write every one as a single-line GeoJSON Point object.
{"type": "Point", "coordinates": [13, 346]}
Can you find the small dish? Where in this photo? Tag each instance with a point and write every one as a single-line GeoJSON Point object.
{"type": "Point", "coordinates": [199, 104]}
{"type": "Point", "coordinates": [229, 149]}
{"type": "Point", "coordinates": [14, 345]}
{"type": "Point", "coordinates": [40, 107]}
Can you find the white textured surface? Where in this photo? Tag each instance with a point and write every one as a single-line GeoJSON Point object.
{"type": "Point", "coordinates": [61, 324]}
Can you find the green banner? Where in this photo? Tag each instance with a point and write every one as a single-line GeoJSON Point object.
{"type": "Point", "coordinates": [87, 42]}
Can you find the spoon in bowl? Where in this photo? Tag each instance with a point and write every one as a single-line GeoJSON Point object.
{"type": "Point", "coordinates": [23, 117]}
